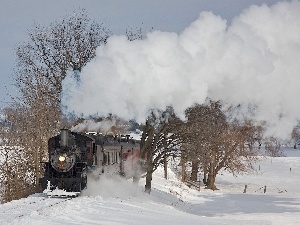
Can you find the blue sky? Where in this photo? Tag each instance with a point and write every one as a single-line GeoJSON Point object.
{"type": "Point", "coordinates": [17, 16]}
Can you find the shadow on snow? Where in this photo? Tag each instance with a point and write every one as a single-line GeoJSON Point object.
{"type": "Point", "coordinates": [221, 204]}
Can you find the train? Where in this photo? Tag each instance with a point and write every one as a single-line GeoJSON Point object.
{"type": "Point", "coordinates": [73, 155]}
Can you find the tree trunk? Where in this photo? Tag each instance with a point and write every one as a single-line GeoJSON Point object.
{"type": "Point", "coordinates": [37, 167]}
{"type": "Point", "coordinates": [205, 175]}
{"type": "Point", "coordinates": [195, 166]}
{"type": "Point", "coordinates": [183, 168]}
{"type": "Point", "coordinates": [166, 166]}
{"type": "Point", "coordinates": [149, 178]}
{"type": "Point", "coordinates": [211, 181]}
{"type": "Point", "coordinates": [212, 173]}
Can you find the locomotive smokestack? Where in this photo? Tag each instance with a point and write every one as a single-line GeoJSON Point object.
{"type": "Point", "coordinates": [64, 137]}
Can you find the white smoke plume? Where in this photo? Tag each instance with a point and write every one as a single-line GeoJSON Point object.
{"type": "Point", "coordinates": [114, 186]}
{"type": "Point", "coordinates": [253, 60]}
{"type": "Point", "coordinates": [90, 125]}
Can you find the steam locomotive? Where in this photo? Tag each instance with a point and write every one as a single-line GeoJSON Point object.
{"type": "Point", "coordinates": [73, 155]}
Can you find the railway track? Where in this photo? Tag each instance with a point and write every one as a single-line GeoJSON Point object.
{"type": "Point", "coordinates": [11, 214]}
{"type": "Point", "coordinates": [6, 208]}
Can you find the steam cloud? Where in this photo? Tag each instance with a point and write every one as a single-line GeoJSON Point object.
{"type": "Point", "coordinates": [90, 125]}
{"type": "Point", "coordinates": [254, 60]}
{"type": "Point", "coordinates": [115, 187]}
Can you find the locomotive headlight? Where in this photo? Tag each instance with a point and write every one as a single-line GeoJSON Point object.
{"type": "Point", "coordinates": [61, 158]}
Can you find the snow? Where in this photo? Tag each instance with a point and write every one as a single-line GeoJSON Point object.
{"type": "Point", "coordinates": [113, 201]}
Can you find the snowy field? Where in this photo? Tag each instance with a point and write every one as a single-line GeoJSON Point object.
{"type": "Point", "coordinates": [115, 202]}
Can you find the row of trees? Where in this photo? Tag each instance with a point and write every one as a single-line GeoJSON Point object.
{"type": "Point", "coordinates": [208, 138]}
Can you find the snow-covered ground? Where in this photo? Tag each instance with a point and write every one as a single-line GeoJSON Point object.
{"type": "Point", "coordinates": [116, 202]}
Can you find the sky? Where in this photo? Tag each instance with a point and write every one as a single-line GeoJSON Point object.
{"type": "Point", "coordinates": [18, 16]}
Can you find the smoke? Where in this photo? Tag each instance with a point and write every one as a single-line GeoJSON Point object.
{"type": "Point", "coordinates": [254, 60]}
{"type": "Point", "coordinates": [90, 125]}
{"type": "Point", "coordinates": [114, 186]}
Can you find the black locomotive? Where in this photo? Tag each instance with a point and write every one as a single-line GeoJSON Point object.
{"type": "Point", "coordinates": [72, 155]}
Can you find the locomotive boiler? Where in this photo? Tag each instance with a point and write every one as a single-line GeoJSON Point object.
{"type": "Point", "coordinates": [73, 155]}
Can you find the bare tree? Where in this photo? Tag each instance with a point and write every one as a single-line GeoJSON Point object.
{"type": "Point", "coordinates": [65, 45]}
{"type": "Point", "coordinates": [158, 142]}
{"type": "Point", "coordinates": [296, 136]}
{"type": "Point", "coordinates": [133, 35]}
{"type": "Point", "coordinates": [216, 143]}
{"type": "Point", "coordinates": [17, 179]}
{"type": "Point", "coordinates": [273, 146]}
{"type": "Point", "coordinates": [42, 64]}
